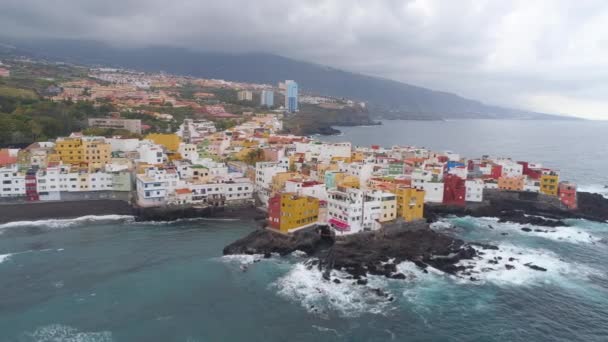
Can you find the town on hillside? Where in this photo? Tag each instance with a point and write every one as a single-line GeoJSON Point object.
{"type": "Point", "coordinates": [198, 160]}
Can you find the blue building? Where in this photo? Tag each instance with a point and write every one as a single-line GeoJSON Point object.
{"type": "Point", "coordinates": [291, 96]}
{"type": "Point", "coordinates": [267, 98]}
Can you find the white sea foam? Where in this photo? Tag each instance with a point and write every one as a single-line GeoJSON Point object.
{"type": "Point", "coordinates": [299, 254]}
{"type": "Point", "coordinates": [242, 259]}
{"type": "Point", "coordinates": [594, 188]}
{"type": "Point", "coordinates": [4, 257]}
{"type": "Point", "coordinates": [328, 330]}
{"type": "Point", "coordinates": [63, 223]}
{"type": "Point", "coordinates": [561, 233]}
{"type": "Point", "coordinates": [58, 332]}
{"type": "Point", "coordinates": [556, 269]}
{"type": "Point", "coordinates": [320, 296]}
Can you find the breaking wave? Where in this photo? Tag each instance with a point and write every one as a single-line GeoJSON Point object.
{"type": "Point", "coordinates": [572, 234]}
{"type": "Point", "coordinates": [63, 223]}
{"type": "Point", "coordinates": [4, 257]}
{"type": "Point", "coordinates": [512, 265]}
{"type": "Point", "coordinates": [63, 333]}
{"type": "Point", "coordinates": [594, 188]}
{"type": "Point", "coordinates": [305, 285]}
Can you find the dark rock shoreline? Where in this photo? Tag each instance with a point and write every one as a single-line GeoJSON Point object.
{"type": "Point", "coordinates": [376, 253]}
{"type": "Point", "coordinates": [72, 209]}
{"type": "Point", "coordinates": [592, 207]}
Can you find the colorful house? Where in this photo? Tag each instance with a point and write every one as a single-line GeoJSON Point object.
{"type": "Point", "coordinates": [454, 190]}
{"type": "Point", "coordinates": [288, 212]}
{"type": "Point", "coordinates": [410, 203]}
{"type": "Point", "coordinates": [567, 194]}
{"type": "Point", "coordinates": [549, 183]}
{"type": "Point", "coordinates": [511, 183]}
{"type": "Point", "coordinates": [70, 150]}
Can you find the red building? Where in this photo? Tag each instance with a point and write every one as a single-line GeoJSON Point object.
{"type": "Point", "coordinates": [31, 192]}
{"type": "Point", "coordinates": [526, 170]}
{"type": "Point", "coordinates": [567, 194]}
{"type": "Point", "coordinates": [496, 172]}
{"type": "Point", "coordinates": [274, 212]}
{"type": "Point", "coordinates": [454, 190]}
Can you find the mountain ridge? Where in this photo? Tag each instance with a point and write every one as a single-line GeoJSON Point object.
{"type": "Point", "coordinates": [388, 99]}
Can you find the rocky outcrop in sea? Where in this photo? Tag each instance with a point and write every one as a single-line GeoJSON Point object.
{"type": "Point", "coordinates": [375, 253]}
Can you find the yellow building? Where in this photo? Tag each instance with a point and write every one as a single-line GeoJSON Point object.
{"type": "Point", "coordinates": [96, 153]}
{"type": "Point", "coordinates": [70, 150]}
{"type": "Point", "coordinates": [169, 141]}
{"type": "Point", "coordinates": [549, 183]}
{"type": "Point", "coordinates": [347, 181]}
{"type": "Point", "coordinates": [410, 203]}
{"type": "Point", "coordinates": [388, 205]}
{"type": "Point", "coordinates": [288, 211]}
{"type": "Point", "coordinates": [279, 179]}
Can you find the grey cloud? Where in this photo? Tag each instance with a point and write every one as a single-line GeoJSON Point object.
{"type": "Point", "coordinates": [516, 53]}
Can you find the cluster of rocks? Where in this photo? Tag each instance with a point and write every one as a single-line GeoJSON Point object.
{"type": "Point", "coordinates": [375, 253]}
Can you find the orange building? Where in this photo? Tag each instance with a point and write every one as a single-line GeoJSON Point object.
{"type": "Point", "coordinates": [511, 183]}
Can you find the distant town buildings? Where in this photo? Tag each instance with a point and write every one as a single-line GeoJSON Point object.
{"type": "Point", "coordinates": [4, 72]}
{"type": "Point", "coordinates": [131, 125]}
{"type": "Point", "coordinates": [195, 131]}
{"type": "Point", "coordinates": [291, 96]}
{"type": "Point", "coordinates": [245, 95]}
{"type": "Point", "coordinates": [267, 98]}
{"type": "Point", "coordinates": [301, 181]}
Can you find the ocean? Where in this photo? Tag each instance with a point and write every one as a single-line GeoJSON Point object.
{"type": "Point", "coordinates": [108, 278]}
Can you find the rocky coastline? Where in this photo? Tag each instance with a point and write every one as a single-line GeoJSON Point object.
{"type": "Point", "coordinates": [379, 252]}
{"type": "Point", "coordinates": [537, 210]}
{"type": "Point", "coordinates": [375, 253]}
{"type": "Point", "coordinates": [33, 211]}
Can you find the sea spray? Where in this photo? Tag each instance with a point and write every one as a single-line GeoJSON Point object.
{"type": "Point", "coordinates": [64, 223]}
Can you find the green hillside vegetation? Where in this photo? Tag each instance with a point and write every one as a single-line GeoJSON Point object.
{"type": "Point", "coordinates": [12, 92]}
{"type": "Point", "coordinates": [24, 120]}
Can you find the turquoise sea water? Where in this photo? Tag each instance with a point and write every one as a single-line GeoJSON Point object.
{"type": "Point", "coordinates": [111, 279]}
{"type": "Point", "coordinates": [115, 280]}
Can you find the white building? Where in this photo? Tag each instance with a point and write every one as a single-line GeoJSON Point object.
{"type": "Point", "coordinates": [188, 152]}
{"type": "Point", "coordinates": [264, 172]}
{"type": "Point", "coordinates": [350, 211]}
{"type": "Point", "coordinates": [510, 168]}
{"type": "Point", "coordinates": [151, 153]}
{"type": "Point", "coordinates": [363, 171]}
{"type": "Point", "coordinates": [532, 185]}
{"type": "Point", "coordinates": [123, 145]}
{"type": "Point", "coordinates": [12, 182]}
{"type": "Point", "coordinates": [154, 185]}
{"type": "Point", "coordinates": [323, 152]}
{"type": "Point", "coordinates": [474, 190]}
{"type": "Point", "coordinates": [307, 188]}
{"type": "Point", "coordinates": [460, 171]}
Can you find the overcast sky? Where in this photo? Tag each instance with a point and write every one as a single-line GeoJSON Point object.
{"type": "Point", "coordinates": [544, 55]}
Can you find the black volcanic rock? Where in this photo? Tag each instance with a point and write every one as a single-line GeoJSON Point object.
{"type": "Point", "coordinates": [536, 268]}
{"type": "Point", "coordinates": [364, 253]}
{"type": "Point", "coordinates": [526, 208]}
{"type": "Point", "coordinates": [263, 241]}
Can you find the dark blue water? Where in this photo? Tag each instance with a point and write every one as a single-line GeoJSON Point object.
{"type": "Point", "coordinates": [110, 279]}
